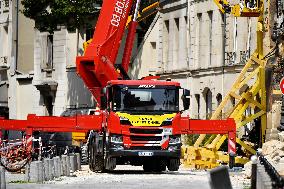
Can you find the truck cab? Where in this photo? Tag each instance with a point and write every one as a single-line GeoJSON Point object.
{"type": "Point", "coordinates": [143, 123]}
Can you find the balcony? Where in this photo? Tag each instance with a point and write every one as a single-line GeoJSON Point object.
{"type": "Point", "coordinates": [3, 62]}
{"type": "Point", "coordinates": [4, 6]}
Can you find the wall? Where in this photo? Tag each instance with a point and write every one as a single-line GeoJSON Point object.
{"type": "Point", "coordinates": [69, 88]}
{"type": "Point", "coordinates": [25, 97]}
{"type": "Point", "coordinates": [26, 44]}
{"type": "Point", "coordinates": [10, 69]}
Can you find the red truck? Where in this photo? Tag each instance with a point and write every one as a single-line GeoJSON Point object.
{"type": "Point", "coordinates": [137, 121]}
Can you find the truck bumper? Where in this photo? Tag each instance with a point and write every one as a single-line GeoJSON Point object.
{"type": "Point", "coordinates": [114, 152]}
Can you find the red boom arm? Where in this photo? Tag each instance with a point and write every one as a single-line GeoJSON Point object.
{"type": "Point", "coordinates": [96, 67]}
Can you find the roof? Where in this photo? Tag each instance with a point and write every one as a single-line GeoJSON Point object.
{"type": "Point", "coordinates": [144, 82]}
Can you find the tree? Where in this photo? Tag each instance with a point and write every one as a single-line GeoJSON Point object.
{"type": "Point", "coordinates": [48, 14]}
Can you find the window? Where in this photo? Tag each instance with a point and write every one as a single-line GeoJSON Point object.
{"type": "Point", "coordinates": [166, 29]}
{"type": "Point", "coordinates": [49, 64]}
{"type": "Point", "coordinates": [176, 43]}
{"type": "Point", "coordinates": [47, 53]}
{"type": "Point", "coordinates": [219, 100]}
{"type": "Point", "coordinates": [153, 52]}
{"type": "Point", "coordinates": [198, 37]}
{"type": "Point", "coordinates": [197, 97]}
{"type": "Point", "coordinates": [167, 25]}
{"type": "Point", "coordinates": [210, 15]}
{"type": "Point", "coordinates": [137, 99]}
{"type": "Point", "coordinates": [6, 3]}
{"type": "Point", "coordinates": [186, 20]}
{"type": "Point", "coordinates": [208, 100]}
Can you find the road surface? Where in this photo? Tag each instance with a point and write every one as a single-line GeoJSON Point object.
{"type": "Point", "coordinates": [129, 177]}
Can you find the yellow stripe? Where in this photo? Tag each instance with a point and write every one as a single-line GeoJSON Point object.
{"type": "Point", "coordinates": [146, 120]}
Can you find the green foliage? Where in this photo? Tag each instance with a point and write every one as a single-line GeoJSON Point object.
{"type": "Point", "coordinates": [48, 14]}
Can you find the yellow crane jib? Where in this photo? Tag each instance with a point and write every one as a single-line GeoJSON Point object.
{"type": "Point", "coordinates": [247, 8]}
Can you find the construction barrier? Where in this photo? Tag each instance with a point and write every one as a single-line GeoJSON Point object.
{"type": "Point", "coordinates": [48, 169]}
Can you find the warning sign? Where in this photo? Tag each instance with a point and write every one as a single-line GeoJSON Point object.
{"type": "Point", "coordinates": [282, 85]}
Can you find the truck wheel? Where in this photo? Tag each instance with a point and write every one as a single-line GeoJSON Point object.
{"type": "Point", "coordinates": [110, 164]}
{"type": "Point", "coordinates": [173, 164]}
{"type": "Point", "coordinates": [91, 155]}
{"type": "Point", "coordinates": [99, 164]}
{"type": "Point", "coordinates": [96, 162]}
{"type": "Point", "coordinates": [160, 165]}
{"type": "Point", "coordinates": [147, 167]}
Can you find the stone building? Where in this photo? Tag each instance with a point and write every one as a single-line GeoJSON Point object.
{"type": "Point", "coordinates": [58, 86]}
{"type": "Point", "coordinates": [16, 59]}
{"type": "Point", "coordinates": [37, 69]}
{"type": "Point", "coordinates": [193, 43]}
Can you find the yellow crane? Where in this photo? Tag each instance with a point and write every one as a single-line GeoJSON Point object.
{"type": "Point", "coordinates": [253, 72]}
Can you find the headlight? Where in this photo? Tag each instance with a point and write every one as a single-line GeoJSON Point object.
{"type": "Point", "coordinates": [116, 139]}
{"type": "Point", "coordinates": [167, 121]}
{"type": "Point", "coordinates": [124, 121]}
{"type": "Point", "coordinates": [167, 131]}
{"type": "Point", "coordinates": [175, 140]}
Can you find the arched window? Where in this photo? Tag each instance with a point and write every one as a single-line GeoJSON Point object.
{"type": "Point", "coordinates": [208, 100]}
{"type": "Point", "coordinates": [219, 100]}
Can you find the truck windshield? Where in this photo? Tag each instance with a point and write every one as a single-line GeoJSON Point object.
{"type": "Point", "coordinates": [145, 99]}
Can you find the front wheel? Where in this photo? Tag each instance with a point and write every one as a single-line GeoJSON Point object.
{"type": "Point", "coordinates": [96, 162]}
{"type": "Point", "coordinates": [173, 164]}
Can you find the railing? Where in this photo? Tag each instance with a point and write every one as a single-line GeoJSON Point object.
{"type": "Point", "coordinates": [276, 178]}
{"type": "Point", "coordinates": [4, 5]}
{"type": "Point", "coordinates": [4, 61]}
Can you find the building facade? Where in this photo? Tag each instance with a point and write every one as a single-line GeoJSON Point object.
{"type": "Point", "coordinates": [37, 69]}
{"type": "Point", "coordinates": [57, 85]}
{"type": "Point", "coordinates": [16, 57]}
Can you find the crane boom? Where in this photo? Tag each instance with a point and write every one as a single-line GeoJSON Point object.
{"type": "Point", "coordinates": [97, 67]}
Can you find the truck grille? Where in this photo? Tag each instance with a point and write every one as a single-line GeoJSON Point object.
{"type": "Point", "coordinates": [146, 138]}
{"type": "Point", "coordinates": [145, 131]}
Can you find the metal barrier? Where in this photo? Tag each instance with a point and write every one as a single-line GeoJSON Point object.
{"type": "Point", "coordinates": [276, 179]}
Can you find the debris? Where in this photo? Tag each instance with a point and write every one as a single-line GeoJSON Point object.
{"type": "Point", "coordinates": [247, 168]}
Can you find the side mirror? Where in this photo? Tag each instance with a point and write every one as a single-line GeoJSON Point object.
{"type": "Point", "coordinates": [104, 91]}
{"type": "Point", "coordinates": [103, 102]}
{"type": "Point", "coordinates": [103, 99]}
{"type": "Point", "coordinates": [185, 99]}
{"type": "Point", "coordinates": [186, 92]}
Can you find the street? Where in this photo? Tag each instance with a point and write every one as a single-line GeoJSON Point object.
{"type": "Point", "coordinates": [127, 177]}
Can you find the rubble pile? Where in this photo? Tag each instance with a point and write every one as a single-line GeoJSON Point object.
{"type": "Point", "coordinates": [274, 152]}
